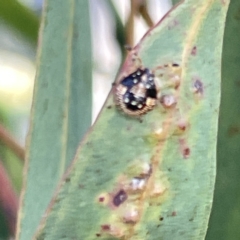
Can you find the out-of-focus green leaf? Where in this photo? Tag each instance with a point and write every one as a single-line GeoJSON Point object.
{"type": "Point", "coordinates": [11, 154]}
{"type": "Point", "coordinates": [61, 110]}
{"type": "Point", "coordinates": [20, 18]}
{"type": "Point", "coordinates": [152, 178]}
{"type": "Point", "coordinates": [14, 167]}
{"type": "Point", "coordinates": [225, 217]}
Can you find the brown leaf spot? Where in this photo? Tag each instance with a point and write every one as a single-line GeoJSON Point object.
{"type": "Point", "coordinates": [67, 179]}
{"type": "Point", "coordinates": [174, 214]}
{"type": "Point", "coordinates": [101, 199]}
{"type": "Point", "coordinates": [182, 125]}
{"type": "Point", "coordinates": [119, 198]}
{"type": "Point", "coordinates": [194, 51]}
{"type": "Point", "coordinates": [186, 152]}
{"type": "Point", "coordinates": [184, 148]}
{"type": "Point", "coordinates": [175, 65]}
{"type": "Point", "coordinates": [161, 219]}
{"type": "Point", "coordinates": [198, 86]}
{"type": "Point", "coordinates": [106, 227]}
{"type": "Point", "coordinates": [233, 130]}
{"type": "Point", "coordinates": [98, 234]}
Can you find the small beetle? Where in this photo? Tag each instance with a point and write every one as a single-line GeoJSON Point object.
{"type": "Point", "coordinates": [136, 94]}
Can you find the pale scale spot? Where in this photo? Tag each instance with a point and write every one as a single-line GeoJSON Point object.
{"type": "Point", "coordinates": [135, 80]}
{"type": "Point", "coordinates": [144, 78]}
{"type": "Point", "coordinates": [138, 183]}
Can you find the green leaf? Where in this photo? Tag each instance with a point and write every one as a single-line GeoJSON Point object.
{"type": "Point", "coordinates": [152, 177]}
{"type": "Point", "coordinates": [20, 18]}
{"type": "Point", "coordinates": [61, 110]}
{"type": "Point", "coordinates": [12, 163]}
{"type": "Point", "coordinates": [174, 2]}
{"type": "Point", "coordinates": [225, 217]}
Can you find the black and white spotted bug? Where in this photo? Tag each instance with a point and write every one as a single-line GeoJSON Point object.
{"type": "Point", "coordinates": [136, 94]}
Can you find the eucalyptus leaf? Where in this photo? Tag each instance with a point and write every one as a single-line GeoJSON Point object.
{"type": "Point", "coordinates": [225, 216]}
{"type": "Point", "coordinates": [151, 176]}
{"type": "Point", "coordinates": [61, 111]}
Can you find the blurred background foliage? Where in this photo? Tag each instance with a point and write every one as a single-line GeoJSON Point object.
{"type": "Point", "coordinates": [114, 24]}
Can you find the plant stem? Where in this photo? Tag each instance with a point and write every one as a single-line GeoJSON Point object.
{"type": "Point", "coordinates": [7, 139]}
{"type": "Point", "coordinates": [130, 24]}
{"type": "Point", "coordinates": [144, 12]}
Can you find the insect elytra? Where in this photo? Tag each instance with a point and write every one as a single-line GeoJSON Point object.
{"type": "Point", "coordinates": [136, 94]}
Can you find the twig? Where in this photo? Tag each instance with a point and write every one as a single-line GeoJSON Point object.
{"type": "Point", "coordinates": [7, 139]}
{"type": "Point", "coordinates": [8, 200]}
{"type": "Point", "coordinates": [137, 7]}
{"type": "Point", "coordinates": [120, 33]}
{"type": "Point", "coordinates": [144, 12]}
{"type": "Point", "coordinates": [130, 23]}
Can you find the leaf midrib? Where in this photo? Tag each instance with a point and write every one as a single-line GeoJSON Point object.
{"type": "Point", "coordinates": [68, 92]}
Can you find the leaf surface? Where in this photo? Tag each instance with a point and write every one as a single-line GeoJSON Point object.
{"type": "Point", "coordinates": [151, 177]}
{"type": "Point", "coordinates": [61, 110]}
{"type": "Point", "coordinates": [225, 216]}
